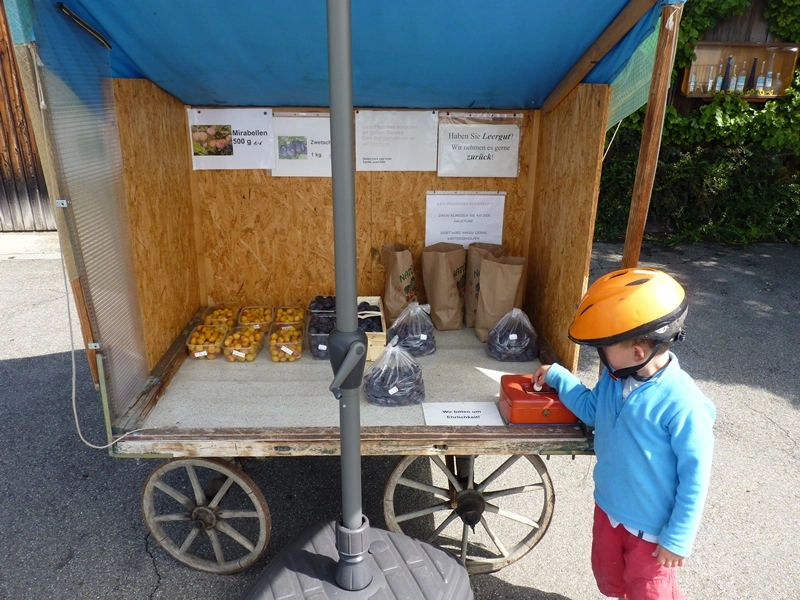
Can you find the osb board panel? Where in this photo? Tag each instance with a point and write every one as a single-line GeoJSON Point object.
{"type": "Point", "coordinates": [269, 240]}
{"type": "Point", "coordinates": [156, 175]}
{"type": "Point", "coordinates": [569, 160]}
{"type": "Point", "coordinates": [398, 208]}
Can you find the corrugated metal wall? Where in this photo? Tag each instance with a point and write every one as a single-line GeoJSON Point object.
{"type": "Point", "coordinates": [24, 204]}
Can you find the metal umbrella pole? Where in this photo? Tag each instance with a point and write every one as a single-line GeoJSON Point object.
{"type": "Point", "coordinates": [347, 344]}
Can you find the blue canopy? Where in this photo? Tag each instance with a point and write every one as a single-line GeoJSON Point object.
{"type": "Point", "coordinates": [414, 53]}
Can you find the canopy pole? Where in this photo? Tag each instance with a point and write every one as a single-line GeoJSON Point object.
{"type": "Point", "coordinates": [651, 133]}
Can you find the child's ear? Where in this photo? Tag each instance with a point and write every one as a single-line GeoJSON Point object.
{"type": "Point", "coordinates": [639, 352]}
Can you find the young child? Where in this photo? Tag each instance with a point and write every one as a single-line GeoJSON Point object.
{"type": "Point", "coordinates": [653, 432]}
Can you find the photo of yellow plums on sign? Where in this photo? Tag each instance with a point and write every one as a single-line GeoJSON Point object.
{"type": "Point", "coordinates": [212, 140]}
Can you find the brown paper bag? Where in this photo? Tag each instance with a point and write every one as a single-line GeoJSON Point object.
{"type": "Point", "coordinates": [444, 274]}
{"type": "Point", "coordinates": [401, 285]}
{"type": "Point", "coordinates": [475, 253]}
{"type": "Point", "coordinates": [501, 290]}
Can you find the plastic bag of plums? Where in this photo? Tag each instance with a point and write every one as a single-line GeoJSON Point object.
{"type": "Point", "coordinates": [395, 379]}
{"type": "Point", "coordinates": [513, 338]}
{"type": "Point", "coordinates": [414, 329]}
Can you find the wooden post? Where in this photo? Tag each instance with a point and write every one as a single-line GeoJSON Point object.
{"type": "Point", "coordinates": [621, 25]}
{"type": "Point", "coordinates": [651, 133]}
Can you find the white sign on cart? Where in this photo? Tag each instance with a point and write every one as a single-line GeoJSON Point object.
{"type": "Point", "coordinates": [231, 138]}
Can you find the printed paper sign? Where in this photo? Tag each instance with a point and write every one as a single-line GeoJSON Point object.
{"type": "Point", "coordinates": [477, 150]}
{"type": "Point", "coordinates": [231, 138]}
{"type": "Point", "coordinates": [303, 146]}
{"type": "Point", "coordinates": [464, 218]}
{"type": "Point", "coordinates": [458, 414]}
{"type": "Point", "coordinates": [401, 140]}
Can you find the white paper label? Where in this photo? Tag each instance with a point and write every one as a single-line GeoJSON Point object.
{"type": "Point", "coordinates": [256, 326]}
{"type": "Point", "coordinates": [287, 350]}
{"type": "Point", "coordinates": [287, 327]}
{"type": "Point", "coordinates": [199, 354]}
{"type": "Point", "coordinates": [322, 347]}
{"type": "Point", "coordinates": [423, 336]}
{"type": "Point", "coordinates": [232, 138]}
{"type": "Point", "coordinates": [393, 390]}
{"type": "Point", "coordinates": [512, 336]}
{"type": "Point", "coordinates": [239, 353]}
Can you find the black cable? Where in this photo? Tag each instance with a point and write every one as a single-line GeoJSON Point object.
{"type": "Point", "coordinates": [81, 23]}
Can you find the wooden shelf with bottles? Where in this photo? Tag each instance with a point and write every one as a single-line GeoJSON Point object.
{"type": "Point", "coordinates": [756, 71]}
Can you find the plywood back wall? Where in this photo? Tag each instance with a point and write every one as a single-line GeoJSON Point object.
{"type": "Point", "coordinates": [157, 180]}
{"type": "Point", "coordinates": [269, 240]}
{"type": "Point", "coordinates": [569, 160]}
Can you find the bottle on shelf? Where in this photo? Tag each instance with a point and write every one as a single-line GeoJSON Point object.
{"type": "Point", "coordinates": [751, 80]}
{"type": "Point", "coordinates": [719, 80]}
{"type": "Point", "coordinates": [768, 81]}
{"type": "Point", "coordinates": [692, 79]}
{"type": "Point", "coordinates": [728, 77]}
{"type": "Point", "coordinates": [741, 78]}
{"type": "Point", "coordinates": [710, 85]}
{"type": "Point", "coordinates": [761, 79]}
{"type": "Point", "coordinates": [777, 85]}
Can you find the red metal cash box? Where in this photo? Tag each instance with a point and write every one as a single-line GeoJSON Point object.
{"type": "Point", "coordinates": [520, 404]}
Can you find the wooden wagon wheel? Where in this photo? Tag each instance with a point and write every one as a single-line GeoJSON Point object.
{"type": "Point", "coordinates": [487, 510]}
{"type": "Point", "coordinates": [207, 514]}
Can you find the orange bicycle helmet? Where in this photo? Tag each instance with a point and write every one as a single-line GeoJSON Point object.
{"type": "Point", "coordinates": [638, 303]}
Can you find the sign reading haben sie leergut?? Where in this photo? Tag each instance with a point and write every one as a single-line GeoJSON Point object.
{"type": "Point", "coordinates": [478, 150]}
{"type": "Point", "coordinates": [231, 138]}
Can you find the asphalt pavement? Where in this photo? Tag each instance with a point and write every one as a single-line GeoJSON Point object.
{"type": "Point", "coordinates": [70, 518]}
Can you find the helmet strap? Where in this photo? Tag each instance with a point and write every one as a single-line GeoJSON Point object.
{"type": "Point", "coordinates": [627, 371]}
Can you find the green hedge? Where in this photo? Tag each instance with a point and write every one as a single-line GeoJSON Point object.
{"type": "Point", "coordinates": [727, 172]}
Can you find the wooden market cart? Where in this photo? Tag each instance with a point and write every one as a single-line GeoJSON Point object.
{"type": "Point", "coordinates": [172, 242]}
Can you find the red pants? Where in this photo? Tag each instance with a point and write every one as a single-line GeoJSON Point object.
{"type": "Point", "coordinates": [624, 565]}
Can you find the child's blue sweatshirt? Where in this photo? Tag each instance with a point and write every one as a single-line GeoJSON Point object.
{"type": "Point", "coordinates": [653, 450]}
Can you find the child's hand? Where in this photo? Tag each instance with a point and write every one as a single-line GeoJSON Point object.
{"type": "Point", "coordinates": [667, 558]}
{"type": "Point", "coordinates": [539, 376]}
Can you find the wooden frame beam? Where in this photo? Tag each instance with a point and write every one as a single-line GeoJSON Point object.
{"type": "Point", "coordinates": [651, 133]}
{"type": "Point", "coordinates": [625, 20]}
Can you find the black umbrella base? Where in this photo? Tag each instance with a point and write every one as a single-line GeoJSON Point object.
{"type": "Point", "coordinates": [400, 567]}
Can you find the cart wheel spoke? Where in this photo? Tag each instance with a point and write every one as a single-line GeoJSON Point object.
{"type": "Point", "coordinates": [491, 508]}
{"type": "Point", "coordinates": [448, 473]}
{"type": "Point", "coordinates": [422, 512]}
{"type": "Point", "coordinates": [172, 517]}
{"type": "Point", "coordinates": [487, 510]}
{"type": "Point", "coordinates": [494, 538]}
{"type": "Point", "coordinates": [188, 541]}
{"type": "Point", "coordinates": [220, 501]}
{"type": "Point", "coordinates": [498, 472]}
{"type": "Point", "coordinates": [235, 535]}
{"type": "Point", "coordinates": [522, 489]}
{"type": "Point", "coordinates": [464, 542]}
{"type": "Point", "coordinates": [199, 494]}
{"type": "Point", "coordinates": [238, 514]}
{"type": "Point", "coordinates": [173, 493]}
{"type": "Point", "coordinates": [214, 539]}
{"type": "Point", "coordinates": [436, 532]}
{"type": "Point", "coordinates": [436, 491]}
{"type": "Point", "coordinates": [221, 493]}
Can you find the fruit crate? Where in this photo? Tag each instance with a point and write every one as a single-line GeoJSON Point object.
{"type": "Point", "coordinates": [376, 339]}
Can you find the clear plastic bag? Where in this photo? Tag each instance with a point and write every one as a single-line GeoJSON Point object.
{"type": "Point", "coordinates": [395, 379]}
{"type": "Point", "coordinates": [513, 338]}
{"type": "Point", "coordinates": [415, 330]}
